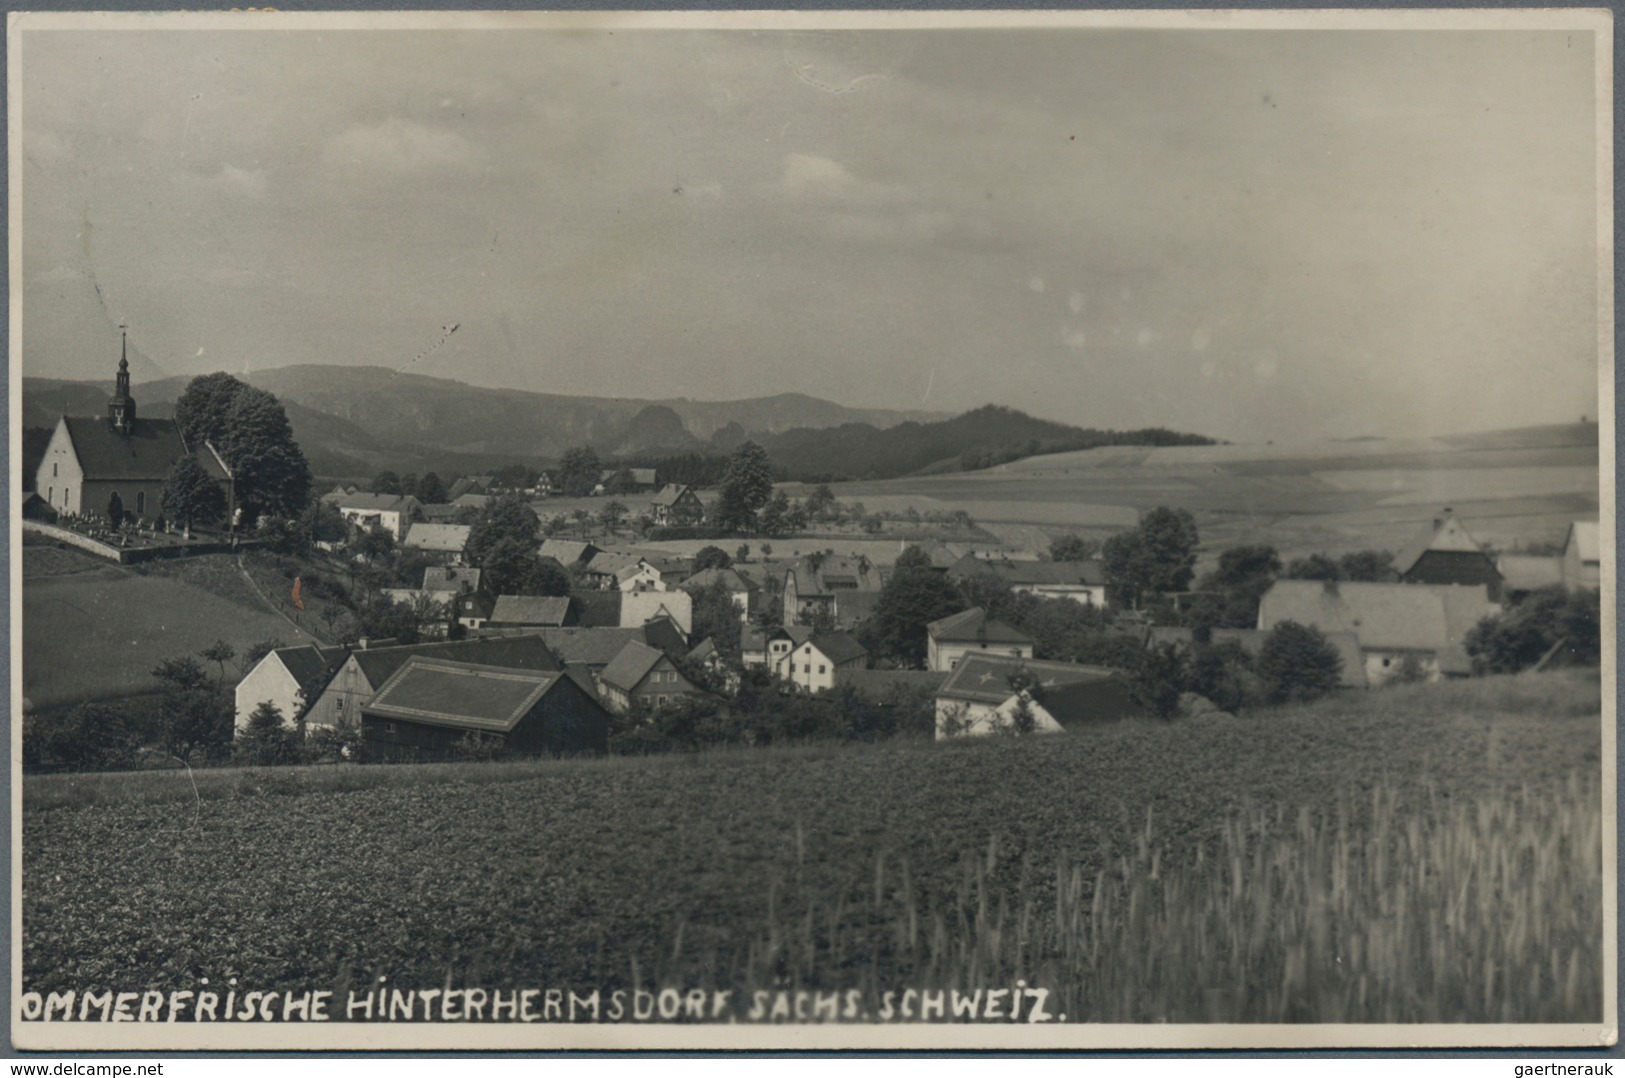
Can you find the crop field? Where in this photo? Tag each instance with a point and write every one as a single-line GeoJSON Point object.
{"type": "Point", "coordinates": [1424, 853]}
{"type": "Point", "coordinates": [96, 631]}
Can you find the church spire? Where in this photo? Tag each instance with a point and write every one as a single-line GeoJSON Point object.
{"type": "Point", "coordinates": [121, 406]}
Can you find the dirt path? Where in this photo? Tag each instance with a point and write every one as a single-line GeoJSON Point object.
{"type": "Point", "coordinates": [252, 583]}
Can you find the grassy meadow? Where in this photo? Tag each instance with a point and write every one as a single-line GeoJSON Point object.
{"type": "Point", "coordinates": [1425, 853]}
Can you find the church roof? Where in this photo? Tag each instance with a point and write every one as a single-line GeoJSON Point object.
{"type": "Point", "coordinates": [149, 451]}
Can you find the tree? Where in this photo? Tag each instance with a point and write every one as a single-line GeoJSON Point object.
{"type": "Point", "coordinates": [431, 490]}
{"type": "Point", "coordinates": [386, 482]}
{"type": "Point", "coordinates": [746, 487]}
{"type": "Point", "coordinates": [409, 484]}
{"type": "Point", "coordinates": [1368, 565]}
{"type": "Point", "coordinates": [772, 519]}
{"type": "Point", "coordinates": [1158, 680]}
{"type": "Point", "coordinates": [195, 715]}
{"type": "Point", "coordinates": [1234, 589]}
{"type": "Point", "coordinates": [1297, 663]}
{"type": "Point", "coordinates": [512, 567]}
{"type": "Point", "coordinates": [221, 653]}
{"type": "Point", "coordinates": [622, 481]}
{"type": "Point", "coordinates": [611, 515]}
{"type": "Point", "coordinates": [91, 737]}
{"type": "Point", "coordinates": [115, 510]}
{"type": "Point", "coordinates": [250, 430]}
{"type": "Point", "coordinates": [267, 740]}
{"type": "Point", "coordinates": [912, 558]}
{"type": "Point", "coordinates": [324, 522]}
{"type": "Point", "coordinates": [190, 496]}
{"type": "Point", "coordinates": [717, 617]}
{"type": "Point", "coordinates": [579, 471]}
{"type": "Point", "coordinates": [910, 600]}
{"type": "Point", "coordinates": [1071, 547]}
{"type": "Point", "coordinates": [1314, 567]}
{"type": "Point", "coordinates": [1224, 674]}
{"type": "Point", "coordinates": [1158, 556]}
{"type": "Point", "coordinates": [505, 518]}
{"type": "Point", "coordinates": [713, 557]}
{"type": "Point", "coordinates": [742, 554]}
{"type": "Point", "coordinates": [1546, 619]}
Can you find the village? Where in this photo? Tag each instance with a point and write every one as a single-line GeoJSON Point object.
{"type": "Point", "coordinates": [599, 608]}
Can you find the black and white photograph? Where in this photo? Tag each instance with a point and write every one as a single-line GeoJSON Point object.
{"type": "Point", "coordinates": [812, 530]}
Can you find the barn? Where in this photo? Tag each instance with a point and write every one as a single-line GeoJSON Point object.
{"type": "Point", "coordinates": [429, 706]}
{"type": "Point", "coordinates": [1447, 554]}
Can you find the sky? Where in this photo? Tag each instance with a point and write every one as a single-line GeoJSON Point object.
{"type": "Point", "coordinates": [1247, 233]}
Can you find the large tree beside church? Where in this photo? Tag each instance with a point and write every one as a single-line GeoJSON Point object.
{"type": "Point", "coordinates": [250, 429]}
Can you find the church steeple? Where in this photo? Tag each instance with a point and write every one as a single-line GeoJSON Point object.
{"type": "Point", "coordinates": [121, 406]}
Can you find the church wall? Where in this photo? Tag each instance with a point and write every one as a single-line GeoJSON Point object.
{"type": "Point", "coordinates": [94, 496]}
{"type": "Point", "coordinates": [60, 480]}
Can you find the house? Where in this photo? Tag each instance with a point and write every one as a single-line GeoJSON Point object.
{"type": "Point", "coordinates": [673, 568]}
{"type": "Point", "coordinates": [604, 568]}
{"type": "Point", "coordinates": [1582, 556]}
{"type": "Point", "coordinates": [443, 541]}
{"type": "Point", "coordinates": [987, 693]}
{"type": "Point", "coordinates": [1351, 675]}
{"type": "Point", "coordinates": [944, 556]}
{"type": "Point", "coordinates": [949, 639]}
{"type": "Point", "coordinates": [470, 501]}
{"type": "Point", "coordinates": [392, 512]}
{"type": "Point", "coordinates": [813, 586]}
{"type": "Point", "coordinates": [643, 480]}
{"type": "Point", "coordinates": [429, 705]}
{"type": "Point", "coordinates": [1446, 554]}
{"type": "Point", "coordinates": [1524, 573]}
{"type": "Point", "coordinates": [568, 553]}
{"type": "Point", "coordinates": [1081, 581]}
{"type": "Point", "coordinates": [815, 665]}
{"type": "Point", "coordinates": [99, 465]}
{"type": "Point", "coordinates": [283, 677]}
{"type": "Point", "coordinates": [643, 675]}
{"type": "Point", "coordinates": [641, 607]}
{"type": "Point", "coordinates": [1393, 622]}
{"type": "Point", "coordinates": [468, 484]}
{"type": "Point", "coordinates": [677, 506]}
{"type": "Point", "coordinates": [742, 590]}
{"type": "Point", "coordinates": [766, 647]}
{"type": "Point", "coordinates": [473, 609]}
{"type": "Point", "coordinates": [366, 669]}
{"type": "Point", "coordinates": [438, 513]}
{"type": "Point", "coordinates": [593, 608]}
{"type": "Point", "coordinates": [529, 612]}
{"type": "Point", "coordinates": [639, 576]}
{"type": "Point", "coordinates": [450, 580]}
{"type": "Point", "coordinates": [339, 493]}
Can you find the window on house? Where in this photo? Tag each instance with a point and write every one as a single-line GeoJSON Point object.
{"type": "Point", "coordinates": [792, 668]}
{"type": "Point", "coordinates": [660, 701]}
{"type": "Point", "coordinates": [820, 668]}
{"type": "Point", "coordinates": [53, 469]}
{"type": "Point", "coordinates": [1387, 662]}
{"type": "Point", "coordinates": [339, 704]}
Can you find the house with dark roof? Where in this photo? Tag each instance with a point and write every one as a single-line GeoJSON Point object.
{"type": "Point", "coordinates": [989, 693]}
{"type": "Point", "coordinates": [442, 541]}
{"type": "Point", "coordinates": [283, 678]}
{"type": "Point", "coordinates": [1582, 556]}
{"type": "Point", "coordinates": [1081, 581]}
{"type": "Point", "coordinates": [473, 608]}
{"type": "Point", "coordinates": [642, 607]}
{"type": "Point", "coordinates": [677, 506]}
{"type": "Point", "coordinates": [1524, 573]}
{"type": "Point", "coordinates": [569, 553]}
{"type": "Point", "coordinates": [593, 608]}
{"type": "Point", "coordinates": [429, 705]}
{"type": "Point", "coordinates": [642, 481]}
{"type": "Point", "coordinates": [950, 639]}
{"type": "Point", "coordinates": [1445, 553]}
{"type": "Point", "coordinates": [766, 647]}
{"type": "Point", "coordinates": [640, 674]}
{"type": "Point", "coordinates": [468, 484]}
{"type": "Point", "coordinates": [365, 670]}
{"type": "Point", "coordinates": [816, 665]}
{"type": "Point", "coordinates": [118, 463]}
{"type": "Point", "coordinates": [815, 584]}
{"type": "Point", "coordinates": [1426, 624]}
{"type": "Point", "coordinates": [743, 591]}
{"type": "Point", "coordinates": [529, 612]}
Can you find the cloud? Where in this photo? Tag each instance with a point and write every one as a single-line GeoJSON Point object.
{"type": "Point", "coordinates": [1036, 283]}
{"type": "Point", "coordinates": [809, 178]}
{"type": "Point", "coordinates": [250, 182]}
{"type": "Point", "coordinates": [1076, 340]}
{"type": "Point", "coordinates": [402, 147]}
{"type": "Point", "coordinates": [1074, 302]}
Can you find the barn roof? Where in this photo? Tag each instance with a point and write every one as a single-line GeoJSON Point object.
{"type": "Point", "coordinates": [463, 695]}
{"type": "Point", "coordinates": [669, 494]}
{"type": "Point", "coordinates": [630, 666]}
{"type": "Point", "coordinates": [149, 451]}
{"type": "Point", "coordinates": [540, 610]}
{"type": "Point", "coordinates": [974, 625]}
{"type": "Point", "coordinates": [307, 662]}
{"type": "Point", "coordinates": [839, 647]}
{"type": "Point", "coordinates": [450, 538]}
{"type": "Point", "coordinates": [597, 608]}
{"type": "Point", "coordinates": [567, 551]}
{"type": "Point", "coordinates": [589, 647]}
{"type": "Point", "coordinates": [1446, 535]}
{"type": "Point", "coordinates": [1414, 617]}
{"type": "Point", "coordinates": [527, 652]}
{"type": "Point", "coordinates": [1526, 572]}
{"type": "Point", "coordinates": [985, 679]}
{"type": "Point", "coordinates": [378, 503]}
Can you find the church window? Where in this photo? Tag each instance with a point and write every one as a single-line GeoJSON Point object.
{"type": "Point", "coordinates": [50, 495]}
{"type": "Point", "coordinates": [140, 503]}
{"type": "Point", "coordinates": [53, 469]}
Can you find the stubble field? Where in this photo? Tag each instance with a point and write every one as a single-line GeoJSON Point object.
{"type": "Point", "coordinates": [1425, 853]}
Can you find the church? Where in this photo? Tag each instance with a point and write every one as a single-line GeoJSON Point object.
{"type": "Point", "coordinates": [98, 465]}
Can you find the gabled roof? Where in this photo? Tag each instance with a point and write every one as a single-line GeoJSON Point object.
{"type": "Point", "coordinates": [589, 647]}
{"type": "Point", "coordinates": [149, 451]}
{"type": "Point", "coordinates": [635, 569]}
{"type": "Point", "coordinates": [834, 573]}
{"type": "Point", "coordinates": [732, 580]}
{"type": "Point", "coordinates": [704, 651]}
{"type": "Point", "coordinates": [450, 578]}
{"type": "Point", "coordinates": [308, 662]}
{"type": "Point", "coordinates": [539, 610]}
{"type": "Point", "coordinates": [441, 513]}
{"type": "Point", "coordinates": [597, 608]}
{"type": "Point", "coordinates": [567, 552]}
{"type": "Point", "coordinates": [1527, 572]}
{"type": "Point", "coordinates": [630, 666]}
{"type": "Point", "coordinates": [670, 493]}
{"type": "Point", "coordinates": [439, 537]}
{"type": "Point", "coordinates": [640, 607]}
{"type": "Point", "coordinates": [1417, 617]}
{"type": "Point", "coordinates": [641, 476]}
{"type": "Point", "coordinates": [478, 501]}
{"type": "Point", "coordinates": [975, 626]}
{"type": "Point", "coordinates": [666, 635]}
{"type": "Point", "coordinates": [985, 679]}
{"type": "Point", "coordinates": [1446, 535]}
{"type": "Point", "coordinates": [1587, 535]}
{"type": "Point", "coordinates": [611, 562]}
{"type": "Point", "coordinates": [839, 647]}
{"type": "Point", "coordinates": [527, 652]}
{"type": "Point", "coordinates": [461, 695]}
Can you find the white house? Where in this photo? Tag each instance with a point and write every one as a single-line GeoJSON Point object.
{"type": "Point", "coordinates": [279, 679]}
{"type": "Point", "coordinates": [639, 576]}
{"type": "Point", "coordinates": [812, 666]}
{"type": "Point", "coordinates": [445, 541]}
{"type": "Point", "coordinates": [392, 512]}
{"type": "Point", "coordinates": [986, 693]}
{"type": "Point", "coordinates": [638, 608]}
{"type": "Point", "coordinates": [1582, 555]}
{"type": "Point", "coordinates": [949, 639]}
{"type": "Point", "coordinates": [759, 647]}
{"type": "Point", "coordinates": [740, 589]}
{"type": "Point", "coordinates": [1081, 581]}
